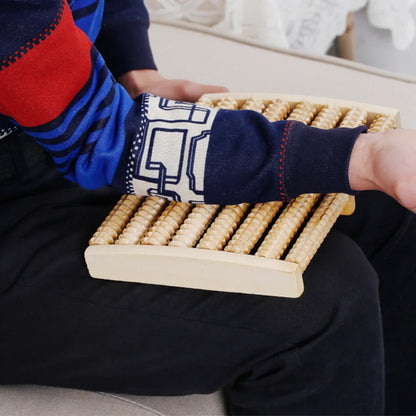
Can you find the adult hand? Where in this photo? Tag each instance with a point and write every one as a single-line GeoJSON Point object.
{"type": "Point", "coordinates": [386, 162]}
{"type": "Point", "coordinates": [149, 80]}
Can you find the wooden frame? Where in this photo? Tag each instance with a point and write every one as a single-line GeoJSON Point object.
{"type": "Point", "coordinates": [261, 249]}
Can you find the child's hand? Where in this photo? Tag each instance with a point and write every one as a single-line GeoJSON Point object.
{"type": "Point", "coordinates": [149, 80]}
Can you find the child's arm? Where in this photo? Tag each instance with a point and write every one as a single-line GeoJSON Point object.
{"type": "Point", "coordinates": [56, 86]}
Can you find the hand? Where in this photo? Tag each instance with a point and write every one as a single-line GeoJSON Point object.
{"type": "Point", "coordinates": [149, 80]}
{"type": "Point", "coordinates": [386, 162]}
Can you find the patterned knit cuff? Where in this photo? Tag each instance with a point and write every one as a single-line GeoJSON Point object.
{"type": "Point", "coordinates": [168, 152]}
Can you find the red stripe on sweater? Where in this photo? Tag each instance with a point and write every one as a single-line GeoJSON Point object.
{"type": "Point", "coordinates": [39, 85]}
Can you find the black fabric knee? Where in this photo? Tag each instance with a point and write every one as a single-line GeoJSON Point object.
{"type": "Point", "coordinates": [336, 364]}
{"type": "Point", "coordinates": [321, 353]}
{"type": "Point", "coordinates": [387, 233]}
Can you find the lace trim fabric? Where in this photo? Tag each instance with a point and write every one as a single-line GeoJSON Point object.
{"type": "Point", "coordinates": [204, 12]}
{"type": "Point", "coordinates": [306, 25]}
{"type": "Point", "coordinates": [395, 16]}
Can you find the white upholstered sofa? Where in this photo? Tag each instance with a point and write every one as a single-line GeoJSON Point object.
{"type": "Point", "coordinates": [186, 52]}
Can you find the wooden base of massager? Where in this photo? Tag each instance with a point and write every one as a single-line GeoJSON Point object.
{"type": "Point", "coordinates": [261, 249]}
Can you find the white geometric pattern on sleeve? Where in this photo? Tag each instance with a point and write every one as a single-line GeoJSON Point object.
{"type": "Point", "coordinates": [169, 153]}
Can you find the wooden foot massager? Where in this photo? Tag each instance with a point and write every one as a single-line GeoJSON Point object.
{"type": "Point", "coordinates": [261, 249]}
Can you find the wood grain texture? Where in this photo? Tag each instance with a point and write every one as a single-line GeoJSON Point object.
{"type": "Point", "coordinates": [152, 240]}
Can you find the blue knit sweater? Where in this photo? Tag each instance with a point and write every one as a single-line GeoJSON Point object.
{"type": "Point", "coordinates": [58, 87]}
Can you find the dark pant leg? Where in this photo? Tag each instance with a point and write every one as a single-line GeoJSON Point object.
{"type": "Point", "coordinates": [318, 354]}
{"type": "Point", "coordinates": [387, 234]}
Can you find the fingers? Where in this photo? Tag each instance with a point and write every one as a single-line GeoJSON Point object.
{"type": "Point", "coordinates": [193, 91]}
{"type": "Point", "coordinates": [182, 90]}
{"type": "Point", "coordinates": [151, 81]}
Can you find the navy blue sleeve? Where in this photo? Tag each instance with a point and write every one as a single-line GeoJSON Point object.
{"type": "Point", "coordinates": [253, 160]}
{"type": "Point", "coordinates": [185, 152]}
{"type": "Point", "coordinates": [123, 40]}
{"type": "Point", "coordinates": [317, 160]}
{"type": "Point", "coordinates": [56, 86]}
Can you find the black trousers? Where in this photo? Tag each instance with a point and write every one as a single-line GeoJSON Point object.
{"type": "Point", "coordinates": [319, 354]}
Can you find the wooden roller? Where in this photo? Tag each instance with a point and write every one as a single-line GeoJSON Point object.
{"type": "Point", "coordinates": [257, 249]}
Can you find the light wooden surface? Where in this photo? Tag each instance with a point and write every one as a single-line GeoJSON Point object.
{"type": "Point", "coordinates": [260, 249]}
{"type": "Point", "coordinates": [193, 268]}
{"type": "Point", "coordinates": [318, 103]}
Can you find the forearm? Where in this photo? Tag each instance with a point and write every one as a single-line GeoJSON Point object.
{"type": "Point", "coordinates": [191, 153]}
{"type": "Point", "coordinates": [62, 94]}
{"type": "Point", "coordinates": [151, 81]}
{"type": "Point", "coordinates": [360, 170]}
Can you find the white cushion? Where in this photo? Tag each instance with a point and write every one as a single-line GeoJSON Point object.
{"type": "Point", "coordinates": [189, 52]}
{"type": "Point", "coordinates": [49, 401]}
